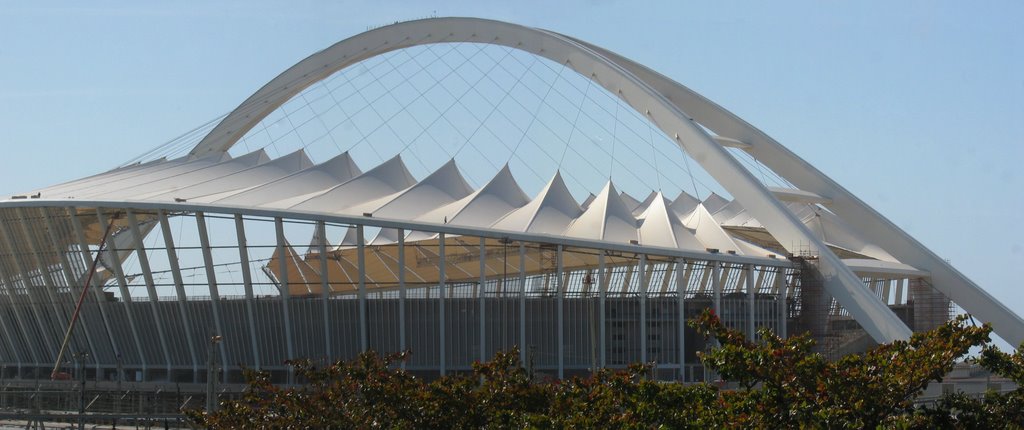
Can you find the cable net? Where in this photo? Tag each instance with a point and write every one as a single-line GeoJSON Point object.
{"type": "Point", "coordinates": [485, 106]}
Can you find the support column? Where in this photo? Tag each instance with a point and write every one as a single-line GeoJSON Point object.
{"type": "Point", "coordinates": [681, 300]}
{"type": "Point", "coordinates": [483, 301]}
{"type": "Point", "coordinates": [19, 321]}
{"type": "Point", "coordinates": [642, 289]}
{"type": "Point", "coordinates": [364, 341]}
{"type": "Point", "coordinates": [666, 280]}
{"type": "Point", "coordinates": [211, 281]}
{"type": "Point", "coordinates": [97, 290]}
{"type": "Point", "coordinates": [126, 298]}
{"type": "Point", "coordinates": [286, 294]}
{"type": "Point", "coordinates": [250, 299]}
{"type": "Point", "coordinates": [716, 287]}
{"type": "Point", "coordinates": [560, 301]}
{"type": "Point", "coordinates": [602, 298]}
{"type": "Point", "coordinates": [154, 299]}
{"type": "Point", "coordinates": [325, 288]}
{"type": "Point", "coordinates": [9, 340]}
{"type": "Point", "coordinates": [50, 287]}
{"type": "Point", "coordinates": [522, 303]}
{"type": "Point", "coordinates": [402, 293]}
{"type": "Point", "coordinates": [782, 288]}
{"type": "Point", "coordinates": [35, 301]}
{"type": "Point", "coordinates": [72, 283]}
{"type": "Point", "coordinates": [179, 290]}
{"type": "Point", "coordinates": [441, 263]}
{"type": "Point", "coordinates": [751, 289]}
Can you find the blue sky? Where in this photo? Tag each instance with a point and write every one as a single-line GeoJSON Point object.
{"type": "Point", "coordinates": [916, 107]}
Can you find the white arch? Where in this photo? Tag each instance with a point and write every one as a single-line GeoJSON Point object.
{"type": "Point", "coordinates": [872, 225]}
{"type": "Point", "coordinates": [643, 90]}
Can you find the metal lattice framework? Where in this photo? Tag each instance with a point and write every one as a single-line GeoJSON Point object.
{"type": "Point", "coordinates": [545, 271]}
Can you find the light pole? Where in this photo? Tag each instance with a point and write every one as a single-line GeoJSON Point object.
{"type": "Point", "coordinates": [211, 373]}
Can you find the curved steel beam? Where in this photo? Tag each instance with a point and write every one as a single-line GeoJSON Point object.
{"type": "Point", "coordinates": [869, 223]}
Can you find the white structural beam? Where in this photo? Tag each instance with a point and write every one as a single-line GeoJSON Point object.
{"type": "Point", "coordinates": [729, 142]}
{"type": "Point", "coordinates": [179, 290]}
{"type": "Point", "coordinates": [522, 301]}
{"type": "Point", "coordinates": [442, 263]}
{"type": "Point", "coordinates": [482, 298]}
{"type": "Point", "coordinates": [147, 276]}
{"type": "Point", "coordinates": [211, 282]}
{"type": "Point", "coordinates": [560, 312]}
{"type": "Point", "coordinates": [72, 283]}
{"type": "Point", "coordinates": [48, 287]}
{"type": "Point", "coordinates": [872, 225]}
{"type": "Point", "coordinates": [96, 287]}
{"type": "Point", "coordinates": [798, 196]}
{"type": "Point", "coordinates": [364, 326]}
{"type": "Point", "coordinates": [325, 287]}
{"type": "Point", "coordinates": [126, 297]}
{"type": "Point", "coordinates": [283, 286]}
{"type": "Point", "coordinates": [402, 293]}
{"type": "Point", "coordinates": [250, 311]}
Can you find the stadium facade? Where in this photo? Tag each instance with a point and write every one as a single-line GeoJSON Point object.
{"type": "Point", "coordinates": [249, 260]}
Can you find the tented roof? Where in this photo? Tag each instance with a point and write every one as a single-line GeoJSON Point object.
{"type": "Point", "coordinates": [385, 179]}
{"type": "Point", "coordinates": [550, 212]}
{"type": "Point", "coordinates": [606, 219]}
{"type": "Point", "coordinates": [662, 227]}
{"type": "Point", "coordinates": [339, 186]}
{"type": "Point", "coordinates": [320, 177]}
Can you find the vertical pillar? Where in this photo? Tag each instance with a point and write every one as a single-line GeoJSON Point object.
{"type": "Point", "coordinates": [34, 301]}
{"type": "Point", "coordinates": [482, 298]}
{"type": "Point", "coordinates": [9, 340]}
{"type": "Point", "coordinates": [211, 281]}
{"type": "Point", "coordinates": [588, 281]}
{"type": "Point", "coordinates": [681, 300]}
{"type": "Point", "coordinates": [48, 287]}
{"type": "Point", "coordinates": [441, 263]}
{"type": "Point", "coordinates": [147, 276]}
{"type": "Point", "coordinates": [285, 292]}
{"type": "Point", "coordinates": [782, 288]}
{"type": "Point", "coordinates": [179, 290]}
{"type": "Point", "coordinates": [83, 248]}
{"type": "Point", "coordinates": [325, 288]}
{"type": "Point", "coordinates": [667, 278]}
{"type": "Point", "coordinates": [560, 302]}
{"type": "Point", "coordinates": [250, 299]}
{"type": "Point", "coordinates": [9, 291]}
{"type": "Point", "coordinates": [642, 289]}
{"type": "Point", "coordinates": [71, 281]}
{"type": "Point", "coordinates": [402, 292]}
{"type": "Point", "coordinates": [364, 341]}
{"type": "Point", "coordinates": [126, 298]}
{"type": "Point", "coordinates": [602, 298]}
{"type": "Point", "coordinates": [751, 290]}
{"type": "Point", "coordinates": [522, 303]}
{"type": "Point", "coordinates": [716, 286]}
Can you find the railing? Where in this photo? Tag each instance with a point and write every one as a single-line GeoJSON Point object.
{"type": "Point", "coordinates": [139, 404]}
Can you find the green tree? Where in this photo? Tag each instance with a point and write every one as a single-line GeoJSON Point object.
{"type": "Point", "coordinates": [782, 383]}
{"type": "Point", "coordinates": [993, 410]}
{"type": "Point", "coordinates": [785, 384]}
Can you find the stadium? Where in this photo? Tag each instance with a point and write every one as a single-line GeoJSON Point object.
{"type": "Point", "coordinates": [456, 187]}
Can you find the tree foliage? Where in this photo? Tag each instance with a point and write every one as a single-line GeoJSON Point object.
{"type": "Point", "coordinates": [780, 383]}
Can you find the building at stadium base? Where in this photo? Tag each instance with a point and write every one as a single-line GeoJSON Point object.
{"type": "Point", "coordinates": [244, 259]}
